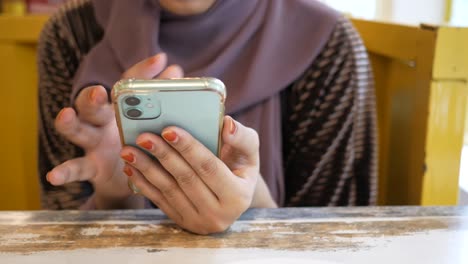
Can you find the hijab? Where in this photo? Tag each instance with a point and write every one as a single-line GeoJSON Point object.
{"type": "Point", "coordinates": [257, 48]}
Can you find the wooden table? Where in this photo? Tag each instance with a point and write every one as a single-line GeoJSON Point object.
{"type": "Point", "coordinates": [329, 235]}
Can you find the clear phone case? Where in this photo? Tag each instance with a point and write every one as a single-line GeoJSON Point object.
{"type": "Point", "coordinates": [194, 104]}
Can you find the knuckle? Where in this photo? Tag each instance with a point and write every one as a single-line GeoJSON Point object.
{"type": "Point", "coordinates": [255, 138]}
{"type": "Point", "coordinates": [186, 179]}
{"type": "Point", "coordinates": [161, 154]}
{"type": "Point", "coordinates": [169, 192]}
{"type": "Point", "coordinates": [65, 132]}
{"type": "Point", "coordinates": [90, 114]}
{"type": "Point", "coordinates": [83, 101]}
{"type": "Point", "coordinates": [144, 167]}
{"type": "Point", "coordinates": [143, 164]}
{"type": "Point", "coordinates": [217, 222]}
{"type": "Point", "coordinates": [70, 170]}
{"type": "Point", "coordinates": [218, 226]}
{"type": "Point", "coordinates": [211, 223]}
{"type": "Point", "coordinates": [64, 129]}
{"type": "Point", "coordinates": [186, 147]}
{"type": "Point", "coordinates": [199, 228]}
{"type": "Point", "coordinates": [208, 167]}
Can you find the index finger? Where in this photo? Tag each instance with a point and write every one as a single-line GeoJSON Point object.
{"type": "Point", "coordinates": [148, 68]}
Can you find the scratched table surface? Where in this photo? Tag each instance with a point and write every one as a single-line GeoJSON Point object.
{"type": "Point", "coordinates": [322, 236]}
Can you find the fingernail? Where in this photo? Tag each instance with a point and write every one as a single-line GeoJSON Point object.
{"type": "Point", "coordinates": [47, 176]}
{"type": "Point", "coordinates": [94, 98]}
{"type": "Point", "coordinates": [92, 95]}
{"type": "Point", "coordinates": [232, 127]}
{"type": "Point", "coordinates": [155, 58]}
{"type": "Point", "coordinates": [170, 136]}
{"type": "Point", "coordinates": [127, 171]}
{"type": "Point", "coordinates": [130, 158]}
{"type": "Point", "coordinates": [62, 117]}
{"type": "Point", "coordinates": [146, 145]}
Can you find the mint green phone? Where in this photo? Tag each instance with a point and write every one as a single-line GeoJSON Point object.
{"type": "Point", "coordinates": [194, 104]}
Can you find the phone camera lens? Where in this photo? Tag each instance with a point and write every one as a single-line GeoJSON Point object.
{"type": "Point", "coordinates": [132, 100]}
{"type": "Point", "coordinates": [134, 113]}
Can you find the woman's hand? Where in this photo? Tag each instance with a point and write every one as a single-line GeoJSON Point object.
{"type": "Point", "coordinates": [200, 192]}
{"type": "Point", "coordinates": [93, 127]}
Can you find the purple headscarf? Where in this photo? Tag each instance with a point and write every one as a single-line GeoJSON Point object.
{"type": "Point", "coordinates": [256, 47]}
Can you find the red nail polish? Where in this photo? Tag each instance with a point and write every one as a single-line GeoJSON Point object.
{"type": "Point", "coordinates": [92, 95]}
{"type": "Point", "coordinates": [130, 158]}
{"type": "Point", "coordinates": [155, 58]}
{"type": "Point", "coordinates": [232, 127]}
{"type": "Point", "coordinates": [94, 98]}
{"type": "Point", "coordinates": [152, 60]}
{"type": "Point", "coordinates": [170, 136]}
{"type": "Point", "coordinates": [60, 114]}
{"type": "Point", "coordinates": [146, 145]}
{"type": "Point", "coordinates": [128, 171]}
{"type": "Point", "coordinates": [62, 117]}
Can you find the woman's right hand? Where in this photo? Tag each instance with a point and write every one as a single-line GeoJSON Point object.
{"type": "Point", "coordinates": [92, 126]}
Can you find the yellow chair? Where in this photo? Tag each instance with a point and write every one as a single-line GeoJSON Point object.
{"type": "Point", "coordinates": [421, 83]}
{"type": "Point", "coordinates": [421, 76]}
{"type": "Point", "coordinates": [18, 137]}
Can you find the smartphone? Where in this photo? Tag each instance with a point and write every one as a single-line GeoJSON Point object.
{"type": "Point", "coordinates": [193, 104]}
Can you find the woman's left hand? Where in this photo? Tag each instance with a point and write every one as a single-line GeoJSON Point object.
{"type": "Point", "coordinates": [199, 191]}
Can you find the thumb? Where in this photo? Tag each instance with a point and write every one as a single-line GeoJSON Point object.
{"type": "Point", "coordinates": [240, 144]}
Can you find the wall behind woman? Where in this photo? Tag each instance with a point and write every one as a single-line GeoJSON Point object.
{"type": "Point", "coordinates": [357, 8]}
{"type": "Point", "coordinates": [418, 11]}
{"type": "Point", "coordinates": [400, 11]}
{"type": "Point", "coordinates": [460, 13]}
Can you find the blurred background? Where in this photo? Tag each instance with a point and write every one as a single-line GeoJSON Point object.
{"type": "Point", "coordinates": [419, 55]}
{"type": "Point", "coordinates": [408, 12]}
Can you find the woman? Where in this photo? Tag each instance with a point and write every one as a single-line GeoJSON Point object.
{"type": "Point", "coordinates": [296, 73]}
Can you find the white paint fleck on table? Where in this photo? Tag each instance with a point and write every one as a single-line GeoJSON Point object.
{"type": "Point", "coordinates": [329, 235]}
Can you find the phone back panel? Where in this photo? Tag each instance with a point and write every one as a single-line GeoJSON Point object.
{"type": "Point", "coordinates": [197, 108]}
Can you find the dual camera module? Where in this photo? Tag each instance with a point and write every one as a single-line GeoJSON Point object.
{"type": "Point", "coordinates": [133, 112]}
{"type": "Point", "coordinates": [141, 107]}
